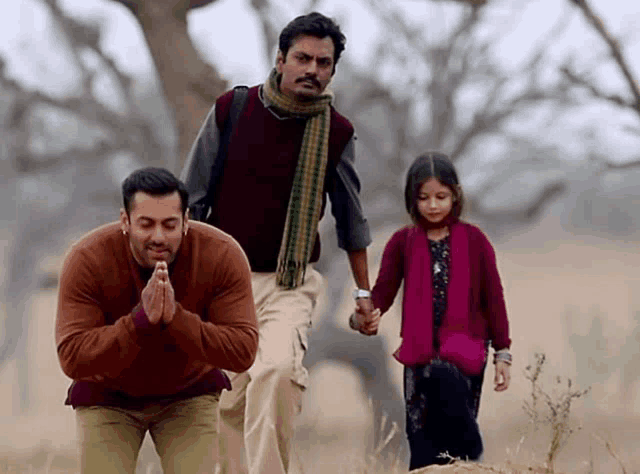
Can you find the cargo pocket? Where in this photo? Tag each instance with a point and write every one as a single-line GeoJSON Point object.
{"type": "Point", "coordinates": [300, 344]}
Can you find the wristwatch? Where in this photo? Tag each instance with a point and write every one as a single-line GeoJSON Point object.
{"type": "Point", "coordinates": [360, 293]}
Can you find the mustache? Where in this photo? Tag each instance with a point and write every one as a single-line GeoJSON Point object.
{"type": "Point", "coordinates": [312, 80]}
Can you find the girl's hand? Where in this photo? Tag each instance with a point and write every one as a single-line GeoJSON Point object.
{"type": "Point", "coordinates": [371, 324]}
{"type": "Point", "coordinates": [365, 322]}
{"type": "Point", "coordinates": [502, 378]}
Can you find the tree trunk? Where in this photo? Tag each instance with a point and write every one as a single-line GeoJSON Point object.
{"type": "Point", "coordinates": [190, 85]}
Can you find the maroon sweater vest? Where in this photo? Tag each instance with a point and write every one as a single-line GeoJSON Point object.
{"type": "Point", "coordinates": [253, 194]}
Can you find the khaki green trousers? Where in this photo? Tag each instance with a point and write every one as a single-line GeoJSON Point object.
{"type": "Point", "coordinates": [260, 411]}
{"type": "Point", "coordinates": [185, 435]}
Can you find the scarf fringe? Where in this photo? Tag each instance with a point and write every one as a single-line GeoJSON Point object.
{"type": "Point", "coordinates": [291, 274]}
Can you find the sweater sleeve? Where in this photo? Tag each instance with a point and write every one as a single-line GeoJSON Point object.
{"type": "Point", "coordinates": [196, 173]}
{"type": "Point", "coordinates": [227, 337]}
{"type": "Point", "coordinates": [494, 299]}
{"type": "Point", "coordinates": [390, 274]}
{"type": "Point", "coordinates": [88, 348]}
{"type": "Point", "coordinates": [351, 226]}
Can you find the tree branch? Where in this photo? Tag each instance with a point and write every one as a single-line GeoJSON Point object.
{"type": "Point", "coordinates": [596, 91]}
{"type": "Point", "coordinates": [269, 32]}
{"type": "Point", "coordinates": [129, 131]}
{"type": "Point", "coordinates": [523, 215]}
{"type": "Point", "coordinates": [615, 50]}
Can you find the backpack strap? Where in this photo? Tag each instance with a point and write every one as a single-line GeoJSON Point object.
{"type": "Point", "coordinates": [238, 102]}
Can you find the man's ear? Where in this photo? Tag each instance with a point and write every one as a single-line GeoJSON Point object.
{"type": "Point", "coordinates": [124, 221]}
{"type": "Point", "coordinates": [279, 61]}
{"type": "Point", "coordinates": [186, 221]}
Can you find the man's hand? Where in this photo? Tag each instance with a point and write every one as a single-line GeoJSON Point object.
{"type": "Point", "coordinates": [153, 295]}
{"type": "Point", "coordinates": [169, 301]}
{"type": "Point", "coordinates": [502, 378]}
{"type": "Point", "coordinates": [169, 296]}
{"type": "Point", "coordinates": [158, 297]}
{"type": "Point", "coordinates": [366, 317]}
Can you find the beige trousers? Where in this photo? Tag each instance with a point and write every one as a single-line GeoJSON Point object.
{"type": "Point", "coordinates": [261, 408]}
{"type": "Point", "coordinates": [185, 434]}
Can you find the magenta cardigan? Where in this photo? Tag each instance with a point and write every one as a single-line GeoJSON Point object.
{"type": "Point", "coordinates": [476, 310]}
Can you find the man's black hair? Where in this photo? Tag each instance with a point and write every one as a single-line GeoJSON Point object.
{"type": "Point", "coordinates": [313, 24]}
{"type": "Point", "coordinates": [155, 182]}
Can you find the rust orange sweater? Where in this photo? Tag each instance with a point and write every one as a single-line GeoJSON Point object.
{"type": "Point", "coordinates": [103, 342]}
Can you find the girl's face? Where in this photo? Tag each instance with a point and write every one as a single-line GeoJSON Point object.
{"type": "Point", "coordinates": [435, 201]}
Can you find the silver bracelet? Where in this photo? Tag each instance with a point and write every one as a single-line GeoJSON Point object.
{"type": "Point", "coordinates": [503, 357]}
{"type": "Point", "coordinates": [360, 293]}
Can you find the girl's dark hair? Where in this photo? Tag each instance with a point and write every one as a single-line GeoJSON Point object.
{"type": "Point", "coordinates": [313, 24]}
{"type": "Point", "coordinates": [153, 181]}
{"type": "Point", "coordinates": [432, 165]}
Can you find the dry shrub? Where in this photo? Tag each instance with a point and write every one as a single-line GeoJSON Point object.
{"type": "Point", "coordinates": [551, 409]}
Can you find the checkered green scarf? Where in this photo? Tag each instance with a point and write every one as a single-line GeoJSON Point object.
{"type": "Point", "coordinates": [305, 203]}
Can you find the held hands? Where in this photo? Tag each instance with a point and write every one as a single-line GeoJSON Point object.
{"type": "Point", "coordinates": [158, 297]}
{"type": "Point", "coordinates": [502, 378]}
{"type": "Point", "coordinates": [365, 319]}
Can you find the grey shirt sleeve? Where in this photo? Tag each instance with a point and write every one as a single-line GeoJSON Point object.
{"type": "Point", "coordinates": [344, 188]}
{"type": "Point", "coordinates": [196, 173]}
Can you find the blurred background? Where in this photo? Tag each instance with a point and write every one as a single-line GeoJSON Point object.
{"type": "Point", "coordinates": [536, 101]}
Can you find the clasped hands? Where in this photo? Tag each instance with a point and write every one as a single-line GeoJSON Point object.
{"type": "Point", "coordinates": [366, 318]}
{"type": "Point", "coordinates": [158, 297]}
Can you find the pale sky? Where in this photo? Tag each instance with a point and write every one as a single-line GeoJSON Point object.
{"type": "Point", "coordinates": [230, 31]}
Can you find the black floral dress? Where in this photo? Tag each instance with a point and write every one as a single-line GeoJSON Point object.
{"type": "Point", "coordinates": [438, 380]}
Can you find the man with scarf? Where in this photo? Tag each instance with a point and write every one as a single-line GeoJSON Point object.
{"type": "Point", "coordinates": [290, 149]}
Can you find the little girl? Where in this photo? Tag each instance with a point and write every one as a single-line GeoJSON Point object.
{"type": "Point", "coordinates": [452, 309]}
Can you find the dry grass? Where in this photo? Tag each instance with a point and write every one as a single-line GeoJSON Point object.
{"type": "Point", "coordinates": [548, 416]}
{"type": "Point", "coordinates": [51, 465]}
{"type": "Point", "coordinates": [465, 467]}
{"type": "Point", "coordinates": [50, 461]}
{"type": "Point", "coordinates": [509, 442]}
{"type": "Point", "coordinates": [612, 452]}
{"type": "Point", "coordinates": [43, 460]}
